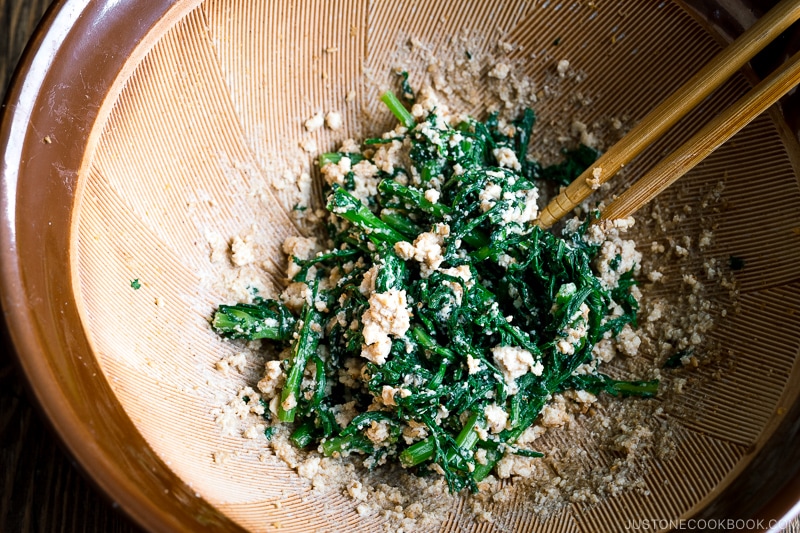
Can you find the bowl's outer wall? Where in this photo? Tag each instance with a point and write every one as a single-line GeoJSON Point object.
{"type": "Point", "coordinates": [41, 310]}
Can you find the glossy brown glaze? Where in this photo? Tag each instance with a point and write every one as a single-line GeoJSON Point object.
{"type": "Point", "coordinates": [51, 111]}
{"type": "Point", "coordinates": [56, 107]}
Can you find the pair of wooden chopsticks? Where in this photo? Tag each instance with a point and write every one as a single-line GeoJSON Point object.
{"type": "Point", "coordinates": [666, 114]}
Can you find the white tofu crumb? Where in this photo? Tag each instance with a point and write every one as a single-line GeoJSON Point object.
{"type": "Point", "coordinates": [427, 249]}
{"type": "Point", "coordinates": [555, 414]}
{"type": "Point", "coordinates": [507, 158]}
{"type": "Point", "coordinates": [432, 195]}
{"type": "Point", "coordinates": [594, 181]}
{"type": "Point", "coordinates": [496, 418]}
{"type": "Point", "coordinates": [388, 314]}
{"type": "Point", "coordinates": [473, 365]}
{"type": "Point", "coordinates": [514, 465]}
{"type": "Point", "coordinates": [587, 138]}
{"type": "Point", "coordinates": [314, 123]}
{"type": "Point", "coordinates": [481, 456]}
{"type": "Point", "coordinates": [243, 250]}
{"type": "Point", "coordinates": [255, 431]}
{"type": "Point", "coordinates": [289, 403]}
{"type": "Point", "coordinates": [681, 251]}
{"type": "Point", "coordinates": [378, 432]}
{"type": "Point", "coordinates": [237, 361]}
{"type": "Point", "coordinates": [345, 413]}
{"type": "Point", "coordinates": [220, 458]}
{"type": "Point", "coordinates": [309, 145]}
{"type": "Point", "coordinates": [309, 468]}
{"type": "Point", "coordinates": [628, 341]}
{"type": "Point", "coordinates": [303, 248]}
{"type": "Point", "coordinates": [414, 431]}
{"type": "Point", "coordinates": [515, 362]}
{"type": "Point", "coordinates": [295, 295]}
{"type": "Point", "coordinates": [531, 434]}
{"type": "Point", "coordinates": [500, 71]}
{"type": "Point", "coordinates": [217, 247]}
{"type": "Point", "coordinates": [333, 120]}
{"type": "Point", "coordinates": [562, 67]}
{"type": "Point", "coordinates": [356, 491]}
{"type": "Point", "coordinates": [273, 379]}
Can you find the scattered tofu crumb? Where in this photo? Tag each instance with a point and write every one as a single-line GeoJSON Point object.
{"type": "Point", "coordinates": [333, 120]}
{"type": "Point", "coordinates": [309, 145]}
{"type": "Point", "coordinates": [496, 418]}
{"type": "Point", "coordinates": [237, 361]}
{"type": "Point", "coordinates": [388, 314]}
{"type": "Point", "coordinates": [314, 123]}
{"type": "Point", "coordinates": [515, 362]}
{"type": "Point", "coordinates": [432, 195]}
{"type": "Point", "coordinates": [594, 182]}
{"type": "Point", "coordinates": [243, 250]}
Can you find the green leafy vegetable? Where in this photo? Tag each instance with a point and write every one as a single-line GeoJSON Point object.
{"type": "Point", "coordinates": [440, 321]}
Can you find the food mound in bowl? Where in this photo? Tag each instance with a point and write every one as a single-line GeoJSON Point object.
{"type": "Point", "coordinates": [433, 324]}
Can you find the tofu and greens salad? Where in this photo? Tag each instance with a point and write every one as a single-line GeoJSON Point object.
{"type": "Point", "coordinates": [435, 321]}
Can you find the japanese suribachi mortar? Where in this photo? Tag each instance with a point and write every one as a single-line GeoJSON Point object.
{"type": "Point", "coordinates": [136, 130]}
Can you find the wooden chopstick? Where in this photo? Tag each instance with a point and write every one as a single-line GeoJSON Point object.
{"type": "Point", "coordinates": [709, 138]}
{"type": "Point", "coordinates": [673, 108]}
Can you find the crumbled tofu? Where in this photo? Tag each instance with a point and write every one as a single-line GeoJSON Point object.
{"type": "Point", "coordinates": [296, 295]}
{"type": "Point", "coordinates": [515, 362]}
{"type": "Point", "coordinates": [473, 365]}
{"type": "Point", "coordinates": [237, 361]}
{"type": "Point", "coordinates": [507, 158]}
{"type": "Point", "coordinates": [432, 195]}
{"type": "Point", "coordinates": [628, 341]}
{"type": "Point", "coordinates": [587, 138]}
{"type": "Point", "coordinates": [309, 145]}
{"type": "Point", "coordinates": [562, 67]}
{"type": "Point", "coordinates": [594, 181]}
{"type": "Point", "coordinates": [333, 120]}
{"type": "Point", "coordinates": [309, 468]}
{"type": "Point", "coordinates": [427, 249]}
{"type": "Point", "coordinates": [496, 418]}
{"type": "Point", "coordinates": [554, 414]}
{"type": "Point", "coordinates": [314, 123]}
{"type": "Point", "coordinates": [303, 248]}
{"type": "Point", "coordinates": [388, 314]}
{"type": "Point", "coordinates": [500, 71]}
{"type": "Point", "coordinates": [414, 431]}
{"type": "Point", "coordinates": [356, 491]}
{"type": "Point", "coordinates": [255, 431]}
{"type": "Point", "coordinates": [243, 250]}
{"type": "Point", "coordinates": [378, 432]}
{"type": "Point", "coordinates": [273, 380]}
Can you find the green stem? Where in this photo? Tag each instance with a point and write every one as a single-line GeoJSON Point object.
{"type": "Point", "coordinates": [398, 110]}
{"type": "Point", "coordinates": [413, 197]}
{"type": "Point", "coordinates": [351, 209]}
{"type": "Point", "coordinates": [304, 347]}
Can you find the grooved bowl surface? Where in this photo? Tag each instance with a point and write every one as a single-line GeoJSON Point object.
{"type": "Point", "coordinates": [191, 144]}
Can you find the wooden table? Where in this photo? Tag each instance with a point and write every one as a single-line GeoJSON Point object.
{"type": "Point", "coordinates": [41, 487]}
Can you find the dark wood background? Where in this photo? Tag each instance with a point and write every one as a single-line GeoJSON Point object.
{"type": "Point", "coordinates": [41, 487]}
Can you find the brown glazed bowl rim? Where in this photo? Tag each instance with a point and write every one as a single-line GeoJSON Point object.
{"type": "Point", "coordinates": [80, 46]}
{"type": "Point", "coordinates": [80, 51]}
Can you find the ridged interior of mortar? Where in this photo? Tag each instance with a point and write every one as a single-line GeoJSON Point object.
{"type": "Point", "coordinates": [195, 149]}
